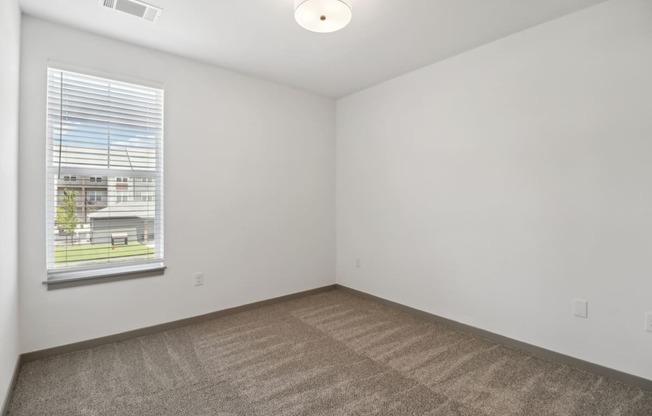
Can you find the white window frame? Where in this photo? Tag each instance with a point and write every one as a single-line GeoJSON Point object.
{"type": "Point", "coordinates": [69, 276]}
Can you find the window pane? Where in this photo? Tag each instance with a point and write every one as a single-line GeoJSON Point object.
{"type": "Point", "coordinates": [105, 172]}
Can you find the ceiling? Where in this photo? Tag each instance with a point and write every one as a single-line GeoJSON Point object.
{"type": "Point", "coordinates": [386, 38]}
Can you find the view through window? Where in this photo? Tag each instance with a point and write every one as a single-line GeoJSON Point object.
{"type": "Point", "coordinates": [105, 173]}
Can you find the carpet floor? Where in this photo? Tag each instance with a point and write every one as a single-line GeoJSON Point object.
{"type": "Point", "coordinates": [329, 354]}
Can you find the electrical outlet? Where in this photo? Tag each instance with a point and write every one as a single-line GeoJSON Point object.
{"type": "Point", "coordinates": [199, 279]}
{"type": "Point", "coordinates": [648, 322]}
{"type": "Point", "coordinates": [580, 308]}
{"type": "Point", "coordinates": [357, 263]}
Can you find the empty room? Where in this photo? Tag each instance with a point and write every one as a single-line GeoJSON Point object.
{"type": "Point", "coordinates": [326, 207]}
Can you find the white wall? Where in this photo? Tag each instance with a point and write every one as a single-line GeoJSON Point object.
{"type": "Point", "coordinates": [249, 192]}
{"type": "Point", "coordinates": [495, 186]}
{"type": "Point", "coordinates": [9, 74]}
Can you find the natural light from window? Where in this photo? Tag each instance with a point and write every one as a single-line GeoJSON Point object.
{"type": "Point", "coordinates": [105, 173]}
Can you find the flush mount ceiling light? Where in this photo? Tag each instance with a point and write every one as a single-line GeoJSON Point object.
{"type": "Point", "coordinates": [322, 16]}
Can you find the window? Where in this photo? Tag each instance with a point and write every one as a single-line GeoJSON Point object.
{"type": "Point", "coordinates": [102, 129]}
{"type": "Point", "coordinates": [122, 184]}
{"type": "Point", "coordinates": [95, 196]}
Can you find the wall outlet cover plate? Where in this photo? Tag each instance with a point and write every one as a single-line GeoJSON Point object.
{"type": "Point", "coordinates": [581, 308]}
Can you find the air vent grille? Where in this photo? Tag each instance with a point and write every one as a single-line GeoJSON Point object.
{"type": "Point", "coordinates": [134, 8]}
{"type": "Point", "coordinates": [151, 14]}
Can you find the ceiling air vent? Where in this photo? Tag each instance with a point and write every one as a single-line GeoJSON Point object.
{"type": "Point", "coordinates": [135, 8]}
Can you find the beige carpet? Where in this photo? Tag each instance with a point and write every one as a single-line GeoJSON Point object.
{"type": "Point", "coordinates": [329, 354]}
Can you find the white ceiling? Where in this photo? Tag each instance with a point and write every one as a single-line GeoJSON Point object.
{"type": "Point", "coordinates": [386, 38]}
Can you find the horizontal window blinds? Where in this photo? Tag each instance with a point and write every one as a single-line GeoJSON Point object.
{"type": "Point", "coordinates": [105, 172]}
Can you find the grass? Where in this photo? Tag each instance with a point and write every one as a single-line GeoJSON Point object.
{"type": "Point", "coordinates": [86, 252]}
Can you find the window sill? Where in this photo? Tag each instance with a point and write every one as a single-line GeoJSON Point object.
{"type": "Point", "coordinates": [72, 278]}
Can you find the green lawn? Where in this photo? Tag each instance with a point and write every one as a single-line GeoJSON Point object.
{"type": "Point", "coordinates": [85, 252]}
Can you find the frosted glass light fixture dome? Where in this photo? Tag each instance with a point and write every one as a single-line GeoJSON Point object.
{"type": "Point", "coordinates": [322, 16]}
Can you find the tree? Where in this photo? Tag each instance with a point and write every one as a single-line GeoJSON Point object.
{"type": "Point", "coordinates": [66, 217]}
